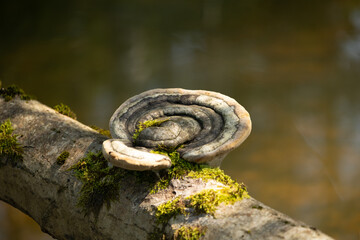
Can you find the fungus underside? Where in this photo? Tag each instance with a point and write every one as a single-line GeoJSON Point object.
{"type": "Point", "coordinates": [12, 91]}
{"type": "Point", "coordinates": [10, 150]}
{"type": "Point", "coordinates": [65, 110]}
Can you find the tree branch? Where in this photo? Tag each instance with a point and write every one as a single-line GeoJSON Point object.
{"type": "Point", "coordinates": [48, 192]}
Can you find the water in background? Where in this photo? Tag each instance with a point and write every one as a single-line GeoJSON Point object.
{"type": "Point", "coordinates": [294, 66]}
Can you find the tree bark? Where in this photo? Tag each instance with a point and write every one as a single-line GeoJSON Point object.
{"type": "Point", "coordinates": [48, 192]}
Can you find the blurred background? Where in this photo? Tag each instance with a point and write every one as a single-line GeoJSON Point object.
{"type": "Point", "coordinates": [294, 65]}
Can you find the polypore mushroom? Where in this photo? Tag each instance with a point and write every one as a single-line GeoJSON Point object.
{"type": "Point", "coordinates": [208, 125]}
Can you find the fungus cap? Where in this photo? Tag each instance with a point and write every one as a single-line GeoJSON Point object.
{"type": "Point", "coordinates": [207, 125]}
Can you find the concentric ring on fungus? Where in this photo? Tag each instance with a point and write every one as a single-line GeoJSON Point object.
{"type": "Point", "coordinates": [207, 125]}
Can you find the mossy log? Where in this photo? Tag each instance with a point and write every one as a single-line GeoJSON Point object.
{"type": "Point", "coordinates": [49, 192]}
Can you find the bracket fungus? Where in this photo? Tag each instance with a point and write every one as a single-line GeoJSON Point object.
{"type": "Point", "coordinates": [207, 125]}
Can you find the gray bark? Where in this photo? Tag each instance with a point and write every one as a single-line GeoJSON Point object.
{"type": "Point", "coordinates": [48, 192]}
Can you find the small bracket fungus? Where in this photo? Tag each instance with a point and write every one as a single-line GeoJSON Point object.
{"type": "Point", "coordinates": [207, 125]}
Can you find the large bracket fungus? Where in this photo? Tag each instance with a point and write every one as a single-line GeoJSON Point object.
{"type": "Point", "coordinates": [207, 125]}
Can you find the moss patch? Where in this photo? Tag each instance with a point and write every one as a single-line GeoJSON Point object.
{"type": "Point", "coordinates": [204, 202]}
{"type": "Point", "coordinates": [170, 209]}
{"type": "Point", "coordinates": [101, 183]}
{"type": "Point", "coordinates": [102, 131]}
{"type": "Point", "coordinates": [179, 168]}
{"type": "Point", "coordinates": [65, 110]}
{"type": "Point", "coordinates": [62, 157]}
{"type": "Point", "coordinates": [10, 150]}
{"type": "Point", "coordinates": [206, 173]}
{"type": "Point", "coordinates": [189, 233]}
{"type": "Point", "coordinates": [12, 91]}
{"type": "Point", "coordinates": [143, 125]}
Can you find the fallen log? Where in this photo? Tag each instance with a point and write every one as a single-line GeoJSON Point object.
{"type": "Point", "coordinates": [44, 184]}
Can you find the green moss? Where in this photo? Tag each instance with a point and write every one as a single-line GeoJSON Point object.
{"type": "Point", "coordinates": [170, 209]}
{"type": "Point", "coordinates": [143, 125]}
{"type": "Point", "coordinates": [179, 168]}
{"type": "Point", "coordinates": [102, 131]}
{"type": "Point", "coordinates": [204, 202]}
{"type": "Point", "coordinates": [101, 183]}
{"type": "Point", "coordinates": [189, 233]}
{"type": "Point", "coordinates": [207, 201]}
{"type": "Point", "coordinates": [10, 149]}
{"type": "Point", "coordinates": [12, 91]}
{"type": "Point", "coordinates": [65, 110]}
{"type": "Point", "coordinates": [62, 157]}
{"type": "Point", "coordinates": [206, 173]}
